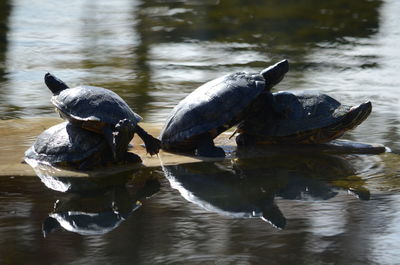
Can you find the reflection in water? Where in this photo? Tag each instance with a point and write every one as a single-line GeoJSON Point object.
{"type": "Point", "coordinates": [90, 215]}
{"type": "Point", "coordinates": [290, 23]}
{"type": "Point", "coordinates": [346, 48]}
{"type": "Point", "coordinates": [170, 230]}
{"type": "Point", "coordinates": [98, 211]}
{"type": "Point", "coordinates": [75, 181]}
{"type": "Point", "coordinates": [224, 193]}
{"type": "Point", "coordinates": [5, 9]}
{"type": "Point", "coordinates": [100, 200]}
{"type": "Point", "coordinates": [248, 188]}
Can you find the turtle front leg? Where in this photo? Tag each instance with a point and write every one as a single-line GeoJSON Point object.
{"type": "Point", "coordinates": [109, 135]}
{"type": "Point", "coordinates": [119, 137]}
{"type": "Point", "coordinates": [152, 144]}
{"type": "Point", "coordinates": [205, 147]}
{"type": "Point", "coordinates": [122, 135]}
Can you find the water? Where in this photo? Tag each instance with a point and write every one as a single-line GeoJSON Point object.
{"type": "Point", "coordinates": [153, 53]}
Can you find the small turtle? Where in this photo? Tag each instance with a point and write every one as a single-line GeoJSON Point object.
{"type": "Point", "coordinates": [70, 146]}
{"type": "Point", "coordinates": [215, 107]}
{"type": "Point", "coordinates": [99, 110]}
{"type": "Point", "coordinates": [304, 117]}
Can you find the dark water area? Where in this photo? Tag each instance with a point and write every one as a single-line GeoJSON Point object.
{"type": "Point", "coordinates": [283, 209]}
{"type": "Point", "coordinates": [321, 209]}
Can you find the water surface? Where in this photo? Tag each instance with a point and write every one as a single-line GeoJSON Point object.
{"type": "Point", "coordinates": [339, 209]}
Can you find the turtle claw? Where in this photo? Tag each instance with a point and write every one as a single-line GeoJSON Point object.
{"type": "Point", "coordinates": [152, 144]}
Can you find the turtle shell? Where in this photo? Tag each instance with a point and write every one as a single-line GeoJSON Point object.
{"type": "Point", "coordinates": [89, 103]}
{"type": "Point", "coordinates": [214, 104]}
{"type": "Point", "coordinates": [65, 143]}
{"type": "Point", "coordinates": [303, 112]}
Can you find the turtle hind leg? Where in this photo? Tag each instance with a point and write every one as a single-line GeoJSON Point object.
{"type": "Point", "coordinates": [132, 158]}
{"type": "Point", "coordinates": [152, 144]}
{"type": "Point", "coordinates": [245, 140]}
{"type": "Point", "coordinates": [206, 147]}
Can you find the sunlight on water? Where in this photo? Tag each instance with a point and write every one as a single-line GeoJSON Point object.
{"type": "Point", "coordinates": [282, 209]}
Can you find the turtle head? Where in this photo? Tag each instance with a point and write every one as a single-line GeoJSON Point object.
{"type": "Point", "coordinates": [273, 215]}
{"type": "Point", "coordinates": [49, 225]}
{"type": "Point", "coordinates": [275, 73]}
{"type": "Point", "coordinates": [54, 84]}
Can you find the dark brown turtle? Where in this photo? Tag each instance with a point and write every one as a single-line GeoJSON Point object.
{"type": "Point", "coordinates": [69, 146]}
{"type": "Point", "coordinates": [99, 110]}
{"type": "Point", "coordinates": [303, 117]}
{"type": "Point", "coordinates": [215, 107]}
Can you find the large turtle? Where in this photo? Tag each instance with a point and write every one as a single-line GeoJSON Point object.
{"type": "Point", "coordinates": [70, 146]}
{"type": "Point", "coordinates": [99, 110]}
{"type": "Point", "coordinates": [303, 117]}
{"type": "Point", "coordinates": [215, 107]}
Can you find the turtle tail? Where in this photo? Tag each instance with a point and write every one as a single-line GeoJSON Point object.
{"type": "Point", "coordinates": [54, 84]}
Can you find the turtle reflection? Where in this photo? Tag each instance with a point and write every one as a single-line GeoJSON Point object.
{"type": "Point", "coordinates": [99, 211]}
{"type": "Point", "coordinates": [248, 188]}
{"type": "Point", "coordinates": [75, 181]}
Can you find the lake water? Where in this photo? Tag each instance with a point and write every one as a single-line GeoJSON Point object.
{"type": "Point", "coordinates": [279, 209]}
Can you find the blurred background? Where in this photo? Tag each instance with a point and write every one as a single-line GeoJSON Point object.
{"type": "Point", "coordinates": [153, 53]}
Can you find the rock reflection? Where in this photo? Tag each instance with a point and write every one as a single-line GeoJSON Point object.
{"type": "Point", "coordinates": [99, 211]}
{"type": "Point", "coordinates": [79, 181]}
{"type": "Point", "coordinates": [249, 188]}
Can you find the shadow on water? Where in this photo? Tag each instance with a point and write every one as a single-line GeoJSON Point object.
{"type": "Point", "coordinates": [248, 188]}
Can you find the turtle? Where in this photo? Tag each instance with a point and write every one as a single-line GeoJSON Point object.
{"type": "Point", "coordinates": [299, 117]}
{"type": "Point", "coordinates": [215, 107]}
{"type": "Point", "coordinates": [68, 146]}
{"type": "Point", "coordinates": [99, 110]}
